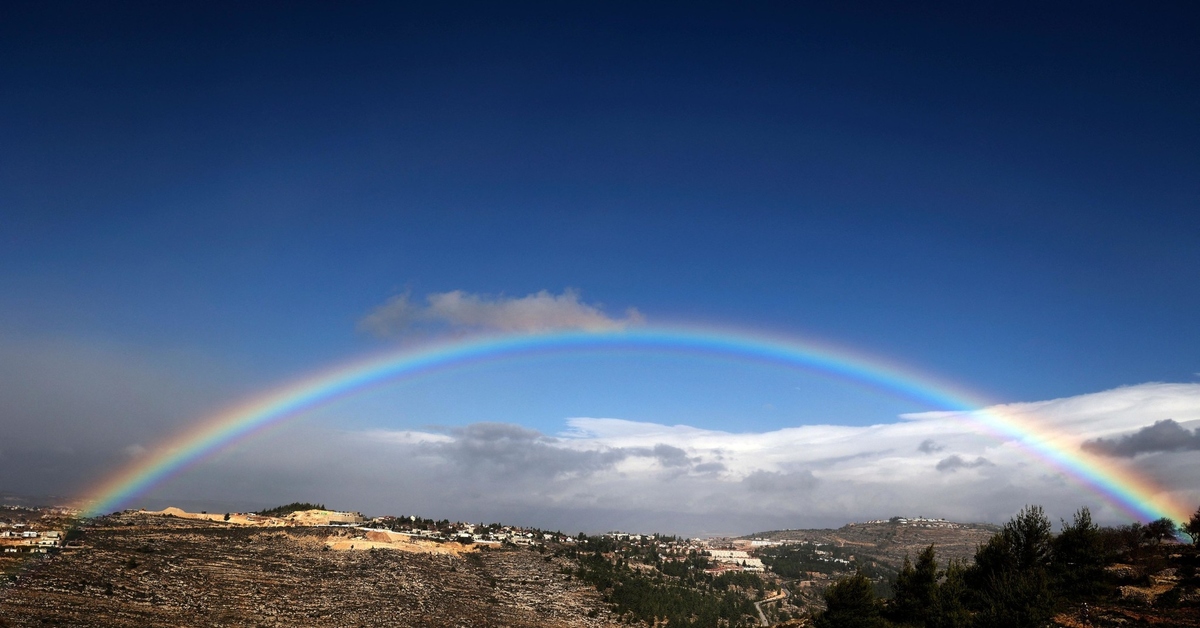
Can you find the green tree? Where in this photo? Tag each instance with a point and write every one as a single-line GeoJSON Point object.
{"type": "Point", "coordinates": [1010, 580]}
{"type": "Point", "coordinates": [1160, 530]}
{"type": "Point", "coordinates": [915, 589]}
{"type": "Point", "coordinates": [1079, 556]}
{"type": "Point", "coordinates": [949, 608]}
{"type": "Point", "coordinates": [1015, 599]}
{"type": "Point", "coordinates": [851, 603]}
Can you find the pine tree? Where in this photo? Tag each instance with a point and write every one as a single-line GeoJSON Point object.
{"type": "Point", "coordinates": [851, 603]}
{"type": "Point", "coordinates": [949, 608]}
{"type": "Point", "coordinates": [1079, 556]}
{"type": "Point", "coordinates": [1010, 579]}
{"type": "Point", "coordinates": [915, 588]}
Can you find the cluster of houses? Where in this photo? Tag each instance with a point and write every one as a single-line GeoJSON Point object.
{"type": "Point", "coordinates": [731, 560]}
{"type": "Point", "coordinates": [725, 555]}
{"type": "Point", "coordinates": [774, 542]}
{"type": "Point", "coordinates": [314, 517]}
{"type": "Point", "coordinates": [666, 544]}
{"type": "Point", "coordinates": [466, 533]}
{"type": "Point", "coordinates": [828, 557]}
{"type": "Point", "coordinates": [18, 537]}
{"type": "Point", "coordinates": [917, 522]}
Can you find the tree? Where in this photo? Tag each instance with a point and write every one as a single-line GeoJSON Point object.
{"type": "Point", "coordinates": [1131, 538]}
{"type": "Point", "coordinates": [1079, 556]}
{"type": "Point", "coordinates": [1160, 530]}
{"type": "Point", "coordinates": [1024, 543]}
{"type": "Point", "coordinates": [1030, 537]}
{"type": "Point", "coordinates": [1192, 527]}
{"type": "Point", "coordinates": [1009, 580]}
{"type": "Point", "coordinates": [1015, 599]}
{"type": "Point", "coordinates": [851, 603]}
{"type": "Point", "coordinates": [949, 604]}
{"type": "Point", "coordinates": [915, 589]}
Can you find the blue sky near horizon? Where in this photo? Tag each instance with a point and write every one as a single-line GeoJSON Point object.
{"type": "Point", "coordinates": [1005, 196]}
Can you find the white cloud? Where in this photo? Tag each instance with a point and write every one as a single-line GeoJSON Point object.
{"type": "Point", "coordinates": [603, 472]}
{"type": "Point", "coordinates": [462, 311]}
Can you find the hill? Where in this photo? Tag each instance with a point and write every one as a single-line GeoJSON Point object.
{"type": "Point", "coordinates": [889, 542]}
{"type": "Point", "coordinates": [152, 570]}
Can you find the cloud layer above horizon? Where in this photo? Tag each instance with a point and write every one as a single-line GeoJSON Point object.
{"type": "Point", "coordinates": [602, 473]}
{"type": "Point", "coordinates": [593, 473]}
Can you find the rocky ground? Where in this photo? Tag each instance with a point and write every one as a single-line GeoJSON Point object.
{"type": "Point", "coordinates": [160, 572]}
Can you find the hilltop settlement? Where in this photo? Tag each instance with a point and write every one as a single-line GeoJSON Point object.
{"type": "Point", "coordinates": [303, 564]}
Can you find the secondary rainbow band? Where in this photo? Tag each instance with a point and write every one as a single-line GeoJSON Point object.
{"type": "Point", "coordinates": [1136, 495]}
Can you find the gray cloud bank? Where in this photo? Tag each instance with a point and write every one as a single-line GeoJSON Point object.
{"type": "Point", "coordinates": [1165, 435]}
{"type": "Point", "coordinates": [462, 311]}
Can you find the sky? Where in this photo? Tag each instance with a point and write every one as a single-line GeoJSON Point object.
{"type": "Point", "coordinates": [203, 201]}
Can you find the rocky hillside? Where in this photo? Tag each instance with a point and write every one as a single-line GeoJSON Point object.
{"type": "Point", "coordinates": [162, 571]}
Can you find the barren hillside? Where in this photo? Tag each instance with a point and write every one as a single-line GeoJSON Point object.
{"type": "Point", "coordinates": [161, 571]}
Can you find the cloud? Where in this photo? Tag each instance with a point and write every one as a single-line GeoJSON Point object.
{"type": "Point", "coordinates": [597, 473]}
{"type": "Point", "coordinates": [928, 446]}
{"type": "Point", "coordinates": [666, 455]}
{"type": "Point", "coordinates": [710, 468]}
{"type": "Point", "coordinates": [634, 474]}
{"type": "Point", "coordinates": [1165, 435]}
{"type": "Point", "coordinates": [499, 450]}
{"type": "Point", "coordinates": [778, 483]}
{"type": "Point", "coordinates": [956, 462]}
{"type": "Point", "coordinates": [460, 311]}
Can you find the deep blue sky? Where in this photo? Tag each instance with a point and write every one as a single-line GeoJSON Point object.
{"type": "Point", "coordinates": [1007, 196]}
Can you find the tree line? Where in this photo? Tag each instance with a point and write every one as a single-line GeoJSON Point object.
{"type": "Point", "coordinates": [288, 509]}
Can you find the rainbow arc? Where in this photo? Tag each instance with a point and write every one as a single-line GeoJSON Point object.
{"type": "Point", "coordinates": [1132, 492]}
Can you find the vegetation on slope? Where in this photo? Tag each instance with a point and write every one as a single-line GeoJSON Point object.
{"type": "Point", "coordinates": [641, 585]}
{"type": "Point", "coordinates": [1025, 576]}
{"type": "Point", "coordinates": [288, 509]}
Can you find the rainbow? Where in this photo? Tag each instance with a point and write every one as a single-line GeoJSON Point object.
{"type": "Point", "coordinates": [1134, 494]}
